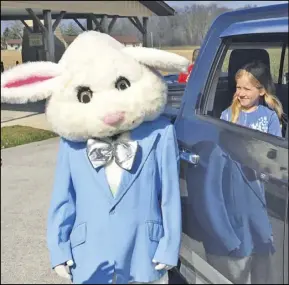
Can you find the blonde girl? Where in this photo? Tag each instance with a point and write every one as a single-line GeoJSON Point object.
{"type": "Point", "coordinates": [254, 87]}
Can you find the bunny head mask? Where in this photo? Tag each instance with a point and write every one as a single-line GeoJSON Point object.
{"type": "Point", "coordinates": [99, 87]}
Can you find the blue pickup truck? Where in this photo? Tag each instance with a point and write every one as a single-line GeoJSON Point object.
{"type": "Point", "coordinates": [234, 180]}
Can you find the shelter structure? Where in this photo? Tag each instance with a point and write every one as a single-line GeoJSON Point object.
{"type": "Point", "coordinates": [99, 15]}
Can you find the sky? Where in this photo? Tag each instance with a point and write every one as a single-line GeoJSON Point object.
{"type": "Point", "coordinates": [228, 4]}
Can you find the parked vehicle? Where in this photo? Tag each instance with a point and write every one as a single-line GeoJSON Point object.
{"type": "Point", "coordinates": [183, 76]}
{"type": "Point", "coordinates": [214, 151]}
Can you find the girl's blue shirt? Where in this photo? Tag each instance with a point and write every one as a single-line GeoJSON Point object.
{"type": "Point", "coordinates": [262, 119]}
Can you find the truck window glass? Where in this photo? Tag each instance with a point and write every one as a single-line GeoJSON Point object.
{"type": "Point", "coordinates": [285, 69]}
{"type": "Point", "coordinates": [221, 93]}
{"type": "Point", "coordinates": [275, 57]}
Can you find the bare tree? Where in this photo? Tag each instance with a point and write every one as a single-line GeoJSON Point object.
{"type": "Point", "coordinates": [188, 27]}
{"type": "Point", "coordinates": [15, 31]}
{"type": "Point", "coordinates": [70, 30]}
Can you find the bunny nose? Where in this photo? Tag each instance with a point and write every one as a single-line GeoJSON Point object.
{"type": "Point", "coordinates": [113, 118]}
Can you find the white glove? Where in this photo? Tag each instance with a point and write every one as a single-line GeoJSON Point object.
{"type": "Point", "coordinates": [63, 270]}
{"type": "Point", "coordinates": [161, 266]}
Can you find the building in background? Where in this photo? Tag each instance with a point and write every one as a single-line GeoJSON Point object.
{"type": "Point", "coordinates": [14, 44]}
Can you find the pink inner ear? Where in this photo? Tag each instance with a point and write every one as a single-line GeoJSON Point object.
{"type": "Point", "coordinates": [27, 81]}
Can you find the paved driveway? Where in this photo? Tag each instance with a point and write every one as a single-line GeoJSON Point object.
{"type": "Point", "coordinates": [26, 183]}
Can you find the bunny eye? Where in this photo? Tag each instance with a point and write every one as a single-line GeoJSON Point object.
{"type": "Point", "coordinates": [122, 83]}
{"type": "Point", "coordinates": [84, 94]}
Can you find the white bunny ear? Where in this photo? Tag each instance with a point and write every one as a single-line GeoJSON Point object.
{"type": "Point", "coordinates": [159, 59]}
{"type": "Point", "coordinates": [29, 82]}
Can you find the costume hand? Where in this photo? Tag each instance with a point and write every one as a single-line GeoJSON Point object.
{"type": "Point", "coordinates": [161, 266]}
{"type": "Point", "coordinates": [63, 270]}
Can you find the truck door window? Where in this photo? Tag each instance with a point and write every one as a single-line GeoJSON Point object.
{"type": "Point", "coordinates": [223, 88]}
{"type": "Point", "coordinates": [285, 68]}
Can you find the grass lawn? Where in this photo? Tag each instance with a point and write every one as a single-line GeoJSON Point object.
{"type": "Point", "coordinates": [17, 135]}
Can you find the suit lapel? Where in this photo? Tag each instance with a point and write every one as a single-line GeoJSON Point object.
{"type": "Point", "coordinates": [146, 138]}
{"type": "Point", "coordinates": [100, 178]}
{"type": "Point", "coordinates": [145, 144]}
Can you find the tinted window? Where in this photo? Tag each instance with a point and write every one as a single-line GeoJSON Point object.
{"type": "Point", "coordinates": [224, 84]}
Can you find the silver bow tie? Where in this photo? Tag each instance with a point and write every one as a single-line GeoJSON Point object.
{"type": "Point", "coordinates": [100, 152]}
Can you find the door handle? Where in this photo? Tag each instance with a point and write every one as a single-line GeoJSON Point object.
{"type": "Point", "coordinates": [190, 157]}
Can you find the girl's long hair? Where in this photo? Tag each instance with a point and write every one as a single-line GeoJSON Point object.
{"type": "Point", "coordinates": [260, 76]}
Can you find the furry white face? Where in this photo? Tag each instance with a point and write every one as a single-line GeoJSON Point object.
{"type": "Point", "coordinates": [100, 88]}
{"type": "Point", "coordinates": [102, 100]}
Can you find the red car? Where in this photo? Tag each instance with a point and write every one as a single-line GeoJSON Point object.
{"type": "Point", "coordinates": [183, 76]}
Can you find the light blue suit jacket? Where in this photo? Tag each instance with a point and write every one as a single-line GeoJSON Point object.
{"type": "Point", "coordinates": [229, 207]}
{"type": "Point", "coordinates": [107, 235]}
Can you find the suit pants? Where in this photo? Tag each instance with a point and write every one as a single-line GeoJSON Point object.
{"type": "Point", "coordinates": [254, 269]}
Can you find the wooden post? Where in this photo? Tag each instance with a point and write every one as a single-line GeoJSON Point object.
{"type": "Point", "coordinates": [104, 24]}
{"type": "Point", "coordinates": [111, 24]}
{"type": "Point", "coordinates": [49, 36]}
{"type": "Point", "coordinates": [145, 31]}
{"type": "Point", "coordinates": [89, 26]}
{"type": "Point", "coordinates": [36, 29]}
{"type": "Point", "coordinates": [98, 25]}
{"type": "Point", "coordinates": [58, 19]}
{"type": "Point", "coordinates": [142, 27]}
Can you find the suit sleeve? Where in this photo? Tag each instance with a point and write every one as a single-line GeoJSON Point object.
{"type": "Point", "coordinates": [210, 206]}
{"type": "Point", "coordinates": [61, 215]}
{"type": "Point", "coordinates": [168, 248]}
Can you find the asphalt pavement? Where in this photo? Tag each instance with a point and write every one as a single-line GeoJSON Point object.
{"type": "Point", "coordinates": [27, 174]}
